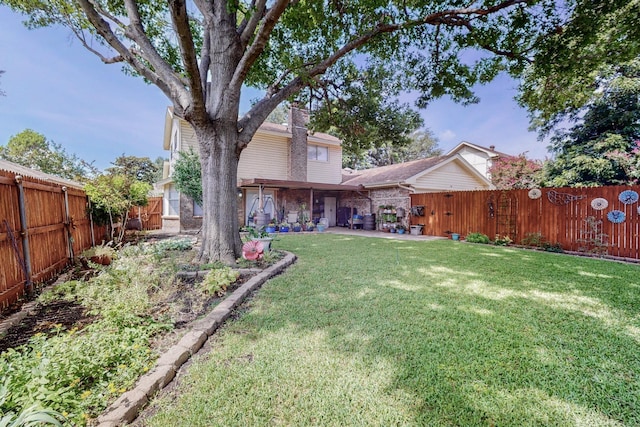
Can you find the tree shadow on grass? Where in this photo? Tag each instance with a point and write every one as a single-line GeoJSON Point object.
{"type": "Point", "coordinates": [478, 335]}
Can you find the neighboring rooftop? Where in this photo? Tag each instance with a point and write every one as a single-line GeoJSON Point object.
{"type": "Point", "coordinates": [391, 174]}
{"type": "Point", "coordinates": [491, 150]}
{"type": "Point", "coordinates": [33, 173]}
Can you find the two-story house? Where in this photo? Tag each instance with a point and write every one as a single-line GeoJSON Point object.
{"type": "Point", "coordinates": [288, 174]}
{"type": "Point", "coordinates": [285, 173]}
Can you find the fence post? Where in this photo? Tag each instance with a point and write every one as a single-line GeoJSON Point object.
{"type": "Point", "coordinates": [67, 222]}
{"type": "Point", "coordinates": [26, 253]}
{"type": "Point", "coordinates": [93, 238]}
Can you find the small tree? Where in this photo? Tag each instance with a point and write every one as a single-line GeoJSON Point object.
{"type": "Point", "coordinates": [112, 196]}
{"type": "Point", "coordinates": [187, 175]}
{"type": "Point", "coordinates": [510, 172]}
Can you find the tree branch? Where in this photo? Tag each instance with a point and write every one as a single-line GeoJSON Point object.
{"type": "Point", "coordinates": [135, 32]}
{"type": "Point", "coordinates": [103, 28]}
{"type": "Point", "coordinates": [248, 124]}
{"type": "Point", "coordinates": [180, 20]}
{"type": "Point", "coordinates": [260, 41]}
{"type": "Point", "coordinates": [248, 27]}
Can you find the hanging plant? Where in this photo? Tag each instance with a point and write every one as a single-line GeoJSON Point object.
{"type": "Point", "coordinates": [628, 197]}
{"type": "Point", "coordinates": [599, 203]}
{"type": "Point", "coordinates": [616, 216]}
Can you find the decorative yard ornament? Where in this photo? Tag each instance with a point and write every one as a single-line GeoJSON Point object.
{"type": "Point", "coordinates": [599, 203]}
{"type": "Point", "coordinates": [253, 250]}
{"type": "Point", "coordinates": [535, 193]}
{"type": "Point", "coordinates": [628, 197]}
{"type": "Point", "coordinates": [562, 198]}
{"type": "Point", "coordinates": [616, 216]}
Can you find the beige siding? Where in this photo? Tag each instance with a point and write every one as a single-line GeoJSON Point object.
{"type": "Point", "coordinates": [188, 137]}
{"type": "Point", "coordinates": [266, 156]}
{"type": "Point", "coordinates": [451, 176]}
{"type": "Point", "coordinates": [326, 172]}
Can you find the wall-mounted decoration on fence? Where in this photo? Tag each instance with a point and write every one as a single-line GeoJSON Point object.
{"type": "Point", "coordinates": [490, 205]}
{"type": "Point", "coordinates": [535, 193]}
{"type": "Point", "coordinates": [417, 210]}
{"type": "Point", "coordinates": [562, 198]}
{"type": "Point", "coordinates": [616, 216]}
{"type": "Point", "coordinates": [599, 203]}
{"type": "Point", "coordinates": [628, 197]}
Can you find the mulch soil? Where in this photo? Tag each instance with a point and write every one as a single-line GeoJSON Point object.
{"type": "Point", "coordinates": [44, 318]}
{"type": "Point", "coordinates": [65, 315]}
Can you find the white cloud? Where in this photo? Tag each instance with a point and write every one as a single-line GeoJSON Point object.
{"type": "Point", "coordinates": [447, 135]}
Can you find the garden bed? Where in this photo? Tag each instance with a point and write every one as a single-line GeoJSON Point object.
{"type": "Point", "coordinates": [84, 342]}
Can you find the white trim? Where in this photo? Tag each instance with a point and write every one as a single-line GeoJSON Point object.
{"type": "Point", "coordinates": [485, 150]}
{"type": "Point", "coordinates": [455, 158]}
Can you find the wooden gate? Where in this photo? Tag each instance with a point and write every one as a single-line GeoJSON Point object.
{"type": "Point", "coordinates": [151, 215]}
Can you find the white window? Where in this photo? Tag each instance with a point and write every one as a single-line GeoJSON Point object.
{"type": "Point", "coordinates": [318, 153]}
{"type": "Point", "coordinates": [173, 202]}
{"type": "Point", "coordinates": [197, 209]}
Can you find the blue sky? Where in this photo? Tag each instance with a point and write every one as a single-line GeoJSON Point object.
{"type": "Point", "coordinates": [57, 88]}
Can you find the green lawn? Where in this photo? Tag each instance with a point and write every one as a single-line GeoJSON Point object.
{"type": "Point", "coordinates": [364, 331]}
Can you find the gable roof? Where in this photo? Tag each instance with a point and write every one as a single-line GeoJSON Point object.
{"type": "Point", "coordinates": [33, 173]}
{"type": "Point", "coordinates": [491, 152]}
{"type": "Point", "coordinates": [407, 173]}
{"type": "Point", "coordinates": [392, 174]}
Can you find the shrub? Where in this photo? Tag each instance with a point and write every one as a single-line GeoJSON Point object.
{"type": "Point", "coordinates": [556, 247]}
{"type": "Point", "coordinates": [477, 238]}
{"type": "Point", "coordinates": [502, 241]}
{"type": "Point", "coordinates": [534, 239]}
{"type": "Point", "coordinates": [216, 281]}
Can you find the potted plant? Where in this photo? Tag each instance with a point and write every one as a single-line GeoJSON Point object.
{"type": "Point", "coordinates": [271, 227]}
{"type": "Point", "coordinates": [400, 229]}
{"type": "Point", "coordinates": [297, 227]}
{"type": "Point", "coordinates": [284, 227]}
{"type": "Point", "coordinates": [392, 229]}
{"type": "Point", "coordinates": [260, 235]}
{"type": "Point", "coordinates": [310, 225]}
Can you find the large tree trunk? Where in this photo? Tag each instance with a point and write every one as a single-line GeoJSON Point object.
{"type": "Point", "coordinates": [219, 161]}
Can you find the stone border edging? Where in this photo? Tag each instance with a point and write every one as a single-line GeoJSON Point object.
{"type": "Point", "coordinates": [126, 408]}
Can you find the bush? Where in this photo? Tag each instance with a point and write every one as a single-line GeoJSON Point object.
{"type": "Point", "coordinates": [556, 247]}
{"type": "Point", "coordinates": [477, 238]}
{"type": "Point", "coordinates": [502, 241]}
{"type": "Point", "coordinates": [534, 239]}
{"type": "Point", "coordinates": [216, 281]}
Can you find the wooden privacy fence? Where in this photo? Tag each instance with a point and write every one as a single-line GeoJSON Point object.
{"type": "Point", "coordinates": [560, 215]}
{"type": "Point", "coordinates": [42, 226]}
{"type": "Point", "coordinates": [150, 216]}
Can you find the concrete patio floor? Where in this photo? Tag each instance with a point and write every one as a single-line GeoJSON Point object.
{"type": "Point", "coordinates": [380, 234]}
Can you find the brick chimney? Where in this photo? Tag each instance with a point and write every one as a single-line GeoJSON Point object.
{"type": "Point", "coordinates": [298, 119]}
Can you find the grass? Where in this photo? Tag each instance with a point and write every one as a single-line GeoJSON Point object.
{"type": "Point", "coordinates": [365, 331]}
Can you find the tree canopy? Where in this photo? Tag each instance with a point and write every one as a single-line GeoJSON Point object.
{"type": "Point", "coordinates": [510, 172]}
{"type": "Point", "coordinates": [422, 144]}
{"type": "Point", "coordinates": [601, 147]}
{"type": "Point", "coordinates": [591, 41]}
{"type": "Point", "coordinates": [137, 168]}
{"type": "Point", "coordinates": [32, 149]}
